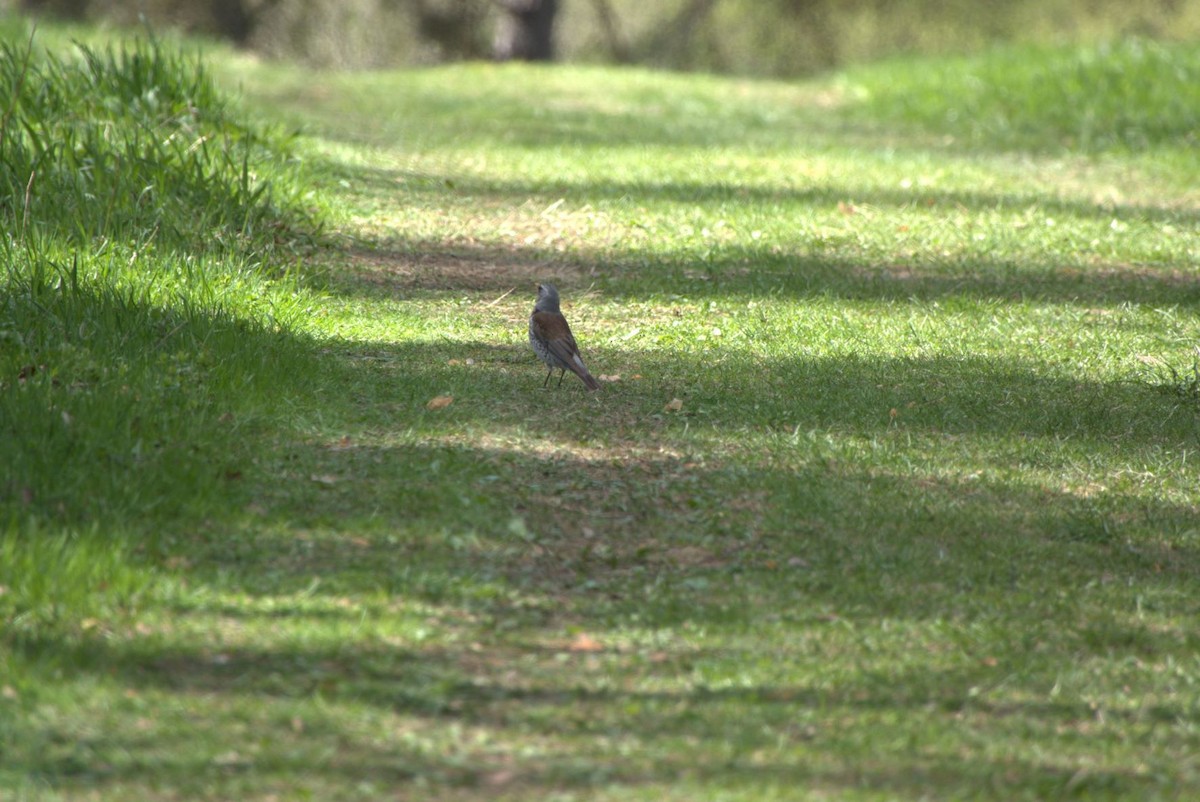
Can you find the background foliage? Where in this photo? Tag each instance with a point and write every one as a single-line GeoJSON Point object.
{"type": "Point", "coordinates": [763, 37]}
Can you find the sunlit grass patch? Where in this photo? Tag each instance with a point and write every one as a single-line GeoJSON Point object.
{"type": "Point", "coordinates": [1133, 94]}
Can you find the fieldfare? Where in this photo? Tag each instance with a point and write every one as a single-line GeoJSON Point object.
{"type": "Point", "coordinates": [551, 339]}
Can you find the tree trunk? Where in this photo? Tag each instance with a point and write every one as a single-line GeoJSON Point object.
{"type": "Point", "coordinates": [237, 20]}
{"type": "Point", "coordinates": [608, 24]}
{"type": "Point", "coordinates": [233, 19]}
{"type": "Point", "coordinates": [670, 45]}
{"type": "Point", "coordinates": [525, 31]}
{"type": "Point", "coordinates": [66, 9]}
{"type": "Point", "coordinates": [455, 27]}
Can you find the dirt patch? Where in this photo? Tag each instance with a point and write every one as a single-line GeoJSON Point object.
{"type": "Point", "coordinates": [497, 247]}
{"type": "Point", "coordinates": [604, 513]}
{"type": "Point", "coordinates": [460, 267]}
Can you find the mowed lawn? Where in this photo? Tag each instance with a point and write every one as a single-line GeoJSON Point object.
{"type": "Point", "coordinates": [891, 490]}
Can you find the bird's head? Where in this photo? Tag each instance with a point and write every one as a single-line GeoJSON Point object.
{"type": "Point", "coordinates": [547, 298]}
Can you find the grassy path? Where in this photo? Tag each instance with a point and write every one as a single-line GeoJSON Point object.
{"type": "Point", "coordinates": [889, 493]}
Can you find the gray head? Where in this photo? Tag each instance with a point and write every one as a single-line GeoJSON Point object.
{"type": "Point", "coordinates": [547, 300]}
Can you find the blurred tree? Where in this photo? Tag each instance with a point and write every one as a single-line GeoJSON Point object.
{"type": "Point", "coordinates": [617, 47]}
{"type": "Point", "coordinates": [673, 42]}
{"type": "Point", "coordinates": [525, 30]}
{"type": "Point", "coordinates": [237, 19]}
{"type": "Point", "coordinates": [455, 26]}
{"type": "Point", "coordinates": [775, 37]}
{"type": "Point", "coordinates": [68, 9]}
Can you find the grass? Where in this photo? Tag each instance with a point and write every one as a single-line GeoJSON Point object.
{"type": "Point", "coordinates": [922, 523]}
{"type": "Point", "coordinates": [147, 272]}
{"type": "Point", "coordinates": [1083, 100]}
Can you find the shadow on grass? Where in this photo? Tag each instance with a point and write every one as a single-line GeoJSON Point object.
{"type": "Point", "coordinates": [170, 420]}
{"type": "Point", "coordinates": [737, 270]}
{"type": "Point", "coordinates": [225, 442]}
{"type": "Point", "coordinates": [727, 390]}
{"type": "Point", "coordinates": [568, 509]}
{"type": "Point", "coordinates": [633, 534]}
{"type": "Point", "coordinates": [567, 713]}
{"type": "Point", "coordinates": [110, 403]}
{"type": "Point", "coordinates": [440, 190]}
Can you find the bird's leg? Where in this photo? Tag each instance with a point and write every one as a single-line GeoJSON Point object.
{"type": "Point", "coordinates": [560, 376]}
{"type": "Point", "coordinates": [546, 380]}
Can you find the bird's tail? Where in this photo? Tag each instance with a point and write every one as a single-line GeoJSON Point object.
{"type": "Point", "coordinates": [582, 372]}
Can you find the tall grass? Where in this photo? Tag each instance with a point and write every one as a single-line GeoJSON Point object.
{"type": "Point", "coordinates": [135, 144]}
{"type": "Point", "coordinates": [146, 301]}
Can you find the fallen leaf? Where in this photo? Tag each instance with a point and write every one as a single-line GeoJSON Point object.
{"type": "Point", "coordinates": [616, 377]}
{"type": "Point", "coordinates": [439, 402]}
{"type": "Point", "coordinates": [674, 405]}
{"type": "Point", "coordinates": [585, 643]}
{"type": "Point", "coordinates": [324, 479]}
{"type": "Point", "coordinates": [232, 760]}
{"type": "Point", "coordinates": [499, 778]}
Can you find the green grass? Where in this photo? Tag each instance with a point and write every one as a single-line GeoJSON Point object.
{"type": "Point", "coordinates": [1133, 94]}
{"type": "Point", "coordinates": [922, 526]}
{"type": "Point", "coordinates": [148, 273]}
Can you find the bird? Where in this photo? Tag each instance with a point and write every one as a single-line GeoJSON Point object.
{"type": "Point", "coordinates": [552, 340]}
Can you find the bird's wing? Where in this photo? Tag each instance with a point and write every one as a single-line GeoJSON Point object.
{"type": "Point", "coordinates": [567, 352]}
{"type": "Point", "coordinates": [554, 330]}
